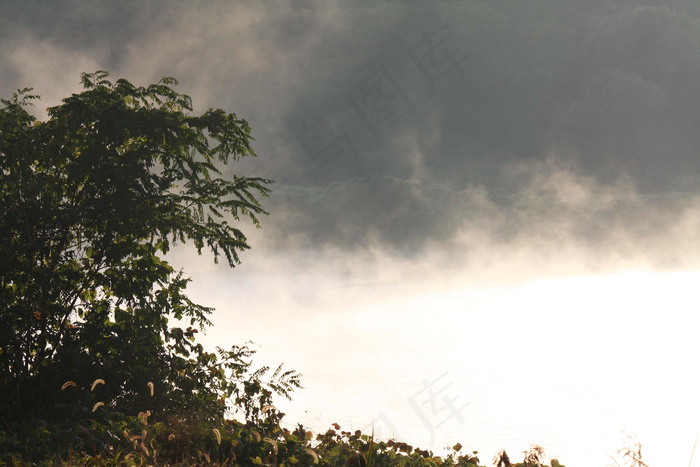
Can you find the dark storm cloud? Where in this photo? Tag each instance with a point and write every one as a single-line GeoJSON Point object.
{"type": "Point", "coordinates": [615, 90]}
{"type": "Point", "coordinates": [400, 123]}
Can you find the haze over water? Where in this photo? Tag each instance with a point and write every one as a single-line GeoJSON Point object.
{"type": "Point", "coordinates": [518, 371]}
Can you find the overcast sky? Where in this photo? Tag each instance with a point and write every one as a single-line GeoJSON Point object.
{"type": "Point", "coordinates": [403, 125]}
{"type": "Point", "coordinates": [417, 145]}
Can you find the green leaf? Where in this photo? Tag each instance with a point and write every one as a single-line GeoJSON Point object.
{"type": "Point", "coordinates": [90, 198]}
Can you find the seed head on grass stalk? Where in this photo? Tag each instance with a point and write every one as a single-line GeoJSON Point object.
{"type": "Point", "coordinates": [95, 383]}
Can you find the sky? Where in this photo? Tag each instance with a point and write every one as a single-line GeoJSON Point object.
{"type": "Point", "coordinates": [497, 196]}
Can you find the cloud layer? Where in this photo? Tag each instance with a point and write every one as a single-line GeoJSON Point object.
{"type": "Point", "coordinates": [408, 126]}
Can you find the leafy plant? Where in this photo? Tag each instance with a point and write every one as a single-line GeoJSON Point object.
{"type": "Point", "coordinates": [90, 201]}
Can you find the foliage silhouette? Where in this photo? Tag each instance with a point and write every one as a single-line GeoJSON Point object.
{"type": "Point", "coordinates": [90, 201]}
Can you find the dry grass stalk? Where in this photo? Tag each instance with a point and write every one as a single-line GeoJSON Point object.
{"type": "Point", "coordinates": [273, 443]}
{"type": "Point", "coordinates": [96, 382]}
{"type": "Point", "coordinates": [311, 452]}
{"type": "Point", "coordinates": [143, 416]}
{"type": "Point", "coordinates": [68, 384]}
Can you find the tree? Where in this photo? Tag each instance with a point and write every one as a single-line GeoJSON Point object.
{"type": "Point", "coordinates": [90, 201]}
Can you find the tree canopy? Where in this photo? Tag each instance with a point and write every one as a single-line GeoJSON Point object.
{"type": "Point", "coordinates": [90, 201]}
